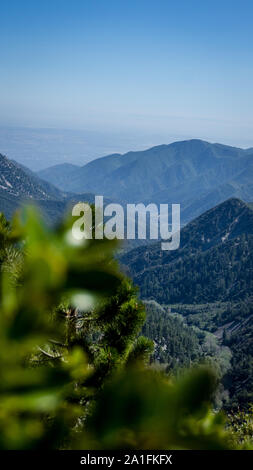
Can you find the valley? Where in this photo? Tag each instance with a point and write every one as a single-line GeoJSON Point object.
{"type": "Point", "coordinates": [198, 298]}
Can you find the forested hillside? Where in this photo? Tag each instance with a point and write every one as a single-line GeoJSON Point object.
{"type": "Point", "coordinates": [214, 261]}
{"type": "Point", "coordinates": [205, 290]}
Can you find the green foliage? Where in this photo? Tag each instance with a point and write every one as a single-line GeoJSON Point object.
{"type": "Point", "coordinates": [240, 425]}
{"type": "Point", "coordinates": [72, 368]}
{"type": "Point", "coordinates": [40, 405]}
{"type": "Point", "coordinates": [142, 410]}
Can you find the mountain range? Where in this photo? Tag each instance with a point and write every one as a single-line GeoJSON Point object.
{"type": "Point", "coordinates": [198, 298]}
{"type": "Point", "coordinates": [194, 173]}
{"type": "Point", "coordinates": [220, 236]}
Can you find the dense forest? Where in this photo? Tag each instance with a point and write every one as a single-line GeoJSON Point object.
{"type": "Point", "coordinates": [218, 334]}
{"type": "Point", "coordinates": [175, 344]}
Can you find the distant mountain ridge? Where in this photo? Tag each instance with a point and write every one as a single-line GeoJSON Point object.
{"type": "Point", "coordinates": [194, 173]}
{"type": "Point", "coordinates": [58, 174]}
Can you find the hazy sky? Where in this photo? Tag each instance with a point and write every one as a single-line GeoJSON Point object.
{"type": "Point", "coordinates": [167, 67]}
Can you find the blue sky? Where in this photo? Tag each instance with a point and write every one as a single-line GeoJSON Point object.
{"type": "Point", "coordinates": [180, 68]}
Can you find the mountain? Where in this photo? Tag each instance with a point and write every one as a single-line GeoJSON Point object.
{"type": "Point", "coordinates": [194, 173]}
{"type": "Point", "coordinates": [18, 181]}
{"type": "Point", "coordinates": [19, 186]}
{"type": "Point", "coordinates": [214, 261]}
{"type": "Point", "coordinates": [204, 287]}
{"type": "Point", "coordinates": [58, 174]}
{"type": "Point", "coordinates": [208, 284]}
{"type": "Point", "coordinates": [98, 170]}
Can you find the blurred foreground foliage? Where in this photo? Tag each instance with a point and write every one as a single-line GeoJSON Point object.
{"type": "Point", "coordinates": [73, 369]}
{"type": "Point", "coordinates": [240, 426]}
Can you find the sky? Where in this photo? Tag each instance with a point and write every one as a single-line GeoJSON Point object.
{"type": "Point", "coordinates": [168, 69]}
